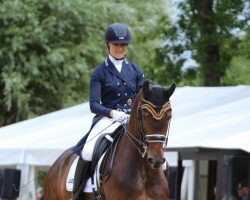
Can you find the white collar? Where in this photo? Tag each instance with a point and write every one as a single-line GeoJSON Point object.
{"type": "Point", "coordinates": [114, 61]}
{"type": "Point", "coordinates": [117, 63]}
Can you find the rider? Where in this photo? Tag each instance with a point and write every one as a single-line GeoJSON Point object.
{"type": "Point", "coordinates": [113, 85]}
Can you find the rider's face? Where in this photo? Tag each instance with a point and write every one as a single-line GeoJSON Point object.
{"type": "Point", "coordinates": [118, 51]}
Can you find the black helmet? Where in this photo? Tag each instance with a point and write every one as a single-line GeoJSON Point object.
{"type": "Point", "coordinates": [117, 33]}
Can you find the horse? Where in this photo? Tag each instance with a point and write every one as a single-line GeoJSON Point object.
{"type": "Point", "coordinates": [136, 172]}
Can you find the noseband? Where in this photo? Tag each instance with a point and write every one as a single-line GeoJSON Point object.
{"type": "Point", "coordinates": [157, 113]}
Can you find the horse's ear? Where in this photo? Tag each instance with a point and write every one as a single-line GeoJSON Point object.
{"type": "Point", "coordinates": [170, 90]}
{"type": "Point", "coordinates": [146, 90]}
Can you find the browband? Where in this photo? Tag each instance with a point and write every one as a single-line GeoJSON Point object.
{"type": "Point", "coordinates": [150, 107]}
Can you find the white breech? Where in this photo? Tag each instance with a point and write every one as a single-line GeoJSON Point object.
{"type": "Point", "coordinates": [88, 149]}
{"type": "Point", "coordinates": [97, 130]}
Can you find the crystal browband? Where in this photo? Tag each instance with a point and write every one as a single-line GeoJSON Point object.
{"type": "Point", "coordinates": [152, 109]}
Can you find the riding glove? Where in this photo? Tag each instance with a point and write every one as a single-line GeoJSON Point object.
{"type": "Point", "coordinates": [119, 116]}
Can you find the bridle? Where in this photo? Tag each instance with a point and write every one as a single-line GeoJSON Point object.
{"type": "Point", "coordinates": [157, 113]}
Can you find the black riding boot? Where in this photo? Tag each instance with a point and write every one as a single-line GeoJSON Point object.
{"type": "Point", "coordinates": [81, 176]}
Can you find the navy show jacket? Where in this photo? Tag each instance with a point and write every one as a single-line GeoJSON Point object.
{"type": "Point", "coordinates": [113, 90]}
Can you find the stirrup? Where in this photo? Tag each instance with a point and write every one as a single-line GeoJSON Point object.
{"type": "Point", "coordinates": [99, 197]}
{"type": "Point", "coordinates": [96, 195]}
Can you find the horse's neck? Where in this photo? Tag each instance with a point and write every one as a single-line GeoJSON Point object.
{"type": "Point", "coordinates": [132, 163]}
{"type": "Point", "coordinates": [133, 125]}
{"type": "Point", "coordinates": [131, 153]}
{"type": "Point", "coordinates": [131, 145]}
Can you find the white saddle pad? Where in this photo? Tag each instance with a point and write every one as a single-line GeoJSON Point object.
{"type": "Point", "coordinates": [71, 174]}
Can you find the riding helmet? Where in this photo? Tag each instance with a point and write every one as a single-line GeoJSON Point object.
{"type": "Point", "coordinates": [117, 33]}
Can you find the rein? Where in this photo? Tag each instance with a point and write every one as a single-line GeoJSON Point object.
{"type": "Point", "coordinates": [157, 113]}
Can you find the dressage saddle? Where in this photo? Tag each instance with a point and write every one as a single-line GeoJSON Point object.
{"type": "Point", "coordinates": [85, 169]}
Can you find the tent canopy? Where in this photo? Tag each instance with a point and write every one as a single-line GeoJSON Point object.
{"type": "Point", "coordinates": [216, 117]}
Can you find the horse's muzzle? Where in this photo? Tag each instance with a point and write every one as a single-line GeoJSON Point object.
{"type": "Point", "coordinates": [156, 162]}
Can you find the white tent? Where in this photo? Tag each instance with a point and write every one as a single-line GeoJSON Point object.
{"type": "Point", "coordinates": [202, 116]}
{"type": "Point", "coordinates": [36, 143]}
{"type": "Point", "coordinates": [211, 117]}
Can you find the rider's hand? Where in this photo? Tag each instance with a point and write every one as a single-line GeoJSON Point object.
{"type": "Point", "coordinates": [119, 116]}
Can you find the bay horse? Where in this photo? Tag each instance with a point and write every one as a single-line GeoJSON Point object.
{"type": "Point", "coordinates": [136, 173]}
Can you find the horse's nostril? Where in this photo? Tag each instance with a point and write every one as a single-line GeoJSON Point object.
{"type": "Point", "coordinates": [156, 162]}
{"type": "Point", "coordinates": [151, 160]}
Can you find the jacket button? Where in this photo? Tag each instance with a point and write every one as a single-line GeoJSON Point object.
{"type": "Point", "coordinates": [125, 83]}
{"type": "Point", "coordinates": [129, 102]}
{"type": "Point", "coordinates": [126, 94]}
{"type": "Point", "coordinates": [118, 94]}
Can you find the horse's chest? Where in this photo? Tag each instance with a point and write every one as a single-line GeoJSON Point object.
{"type": "Point", "coordinates": [139, 189]}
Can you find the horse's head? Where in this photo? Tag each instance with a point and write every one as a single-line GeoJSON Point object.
{"type": "Point", "coordinates": [154, 114]}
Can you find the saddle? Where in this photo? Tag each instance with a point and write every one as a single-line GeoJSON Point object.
{"type": "Point", "coordinates": [106, 143]}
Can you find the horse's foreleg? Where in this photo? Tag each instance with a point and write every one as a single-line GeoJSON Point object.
{"type": "Point", "coordinates": [86, 196]}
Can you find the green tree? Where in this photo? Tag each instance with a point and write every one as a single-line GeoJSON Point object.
{"type": "Point", "coordinates": [41, 53]}
{"type": "Point", "coordinates": [206, 29]}
{"type": "Point", "coordinates": [238, 71]}
{"type": "Point", "coordinates": [48, 49]}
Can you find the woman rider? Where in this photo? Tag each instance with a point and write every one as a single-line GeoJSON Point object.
{"type": "Point", "coordinates": [113, 85]}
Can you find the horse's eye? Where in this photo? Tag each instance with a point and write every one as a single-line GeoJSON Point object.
{"type": "Point", "coordinates": [145, 114]}
{"type": "Point", "coordinates": [169, 114]}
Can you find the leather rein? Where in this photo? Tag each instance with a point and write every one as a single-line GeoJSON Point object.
{"type": "Point", "coordinates": [157, 113]}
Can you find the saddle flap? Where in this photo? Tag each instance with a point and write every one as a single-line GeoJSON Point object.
{"type": "Point", "coordinates": [103, 144]}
